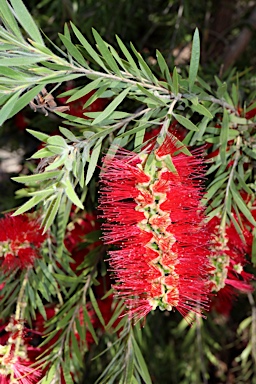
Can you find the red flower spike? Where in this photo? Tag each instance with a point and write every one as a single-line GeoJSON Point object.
{"type": "Point", "coordinates": [153, 214]}
{"type": "Point", "coordinates": [21, 238]}
{"type": "Point", "coordinates": [23, 372]}
{"type": "Point", "coordinates": [228, 258]}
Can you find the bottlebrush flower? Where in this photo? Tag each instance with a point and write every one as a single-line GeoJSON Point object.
{"type": "Point", "coordinates": [151, 203]}
{"type": "Point", "coordinates": [14, 363]}
{"type": "Point", "coordinates": [21, 370]}
{"type": "Point", "coordinates": [20, 240]}
{"type": "Point", "coordinates": [228, 258]}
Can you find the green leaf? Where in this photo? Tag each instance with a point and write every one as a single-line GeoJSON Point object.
{"type": "Point", "coordinates": [39, 135]}
{"type": "Point", "coordinates": [69, 135]}
{"type": "Point", "coordinates": [71, 194]}
{"type": "Point", "coordinates": [222, 89]}
{"type": "Point", "coordinates": [202, 110]}
{"type": "Point", "coordinates": [37, 177]}
{"type": "Point", "coordinates": [57, 140]}
{"type": "Point", "coordinates": [128, 57]}
{"type": "Point", "coordinates": [96, 307]}
{"type": "Point", "coordinates": [103, 48]}
{"type": "Point", "coordinates": [8, 107]}
{"type": "Point", "coordinates": [41, 153]}
{"type": "Point", "coordinates": [163, 67]}
{"type": "Point", "coordinates": [73, 51]}
{"type": "Point", "coordinates": [195, 58]}
{"type": "Point", "coordinates": [139, 137]}
{"type": "Point", "coordinates": [9, 20]}
{"type": "Point", "coordinates": [32, 202]}
{"type": "Point", "coordinates": [76, 350]}
{"type": "Point", "coordinates": [88, 47]}
{"type": "Point", "coordinates": [185, 122]}
{"type": "Point", "coordinates": [214, 188]}
{"type": "Point", "coordinates": [51, 212]}
{"type": "Point", "coordinates": [93, 160]}
{"type": "Point", "coordinates": [175, 79]}
{"type": "Point", "coordinates": [224, 136]}
{"type": "Point", "coordinates": [159, 101]}
{"type": "Point", "coordinates": [85, 90]}
{"type": "Point", "coordinates": [169, 163]}
{"type": "Point", "coordinates": [241, 205]}
{"type": "Point", "coordinates": [26, 20]}
{"type": "Point", "coordinates": [89, 325]}
{"type": "Point", "coordinates": [129, 362]}
{"type": "Point", "coordinates": [144, 67]}
{"type": "Point", "coordinates": [142, 367]}
{"type": "Point", "coordinates": [16, 61]}
{"type": "Point", "coordinates": [111, 107]}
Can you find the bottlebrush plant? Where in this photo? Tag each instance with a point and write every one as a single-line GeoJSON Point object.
{"type": "Point", "coordinates": [137, 221]}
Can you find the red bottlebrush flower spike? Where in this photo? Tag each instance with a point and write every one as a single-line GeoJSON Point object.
{"type": "Point", "coordinates": [151, 203]}
{"type": "Point", "coordinates": [228, 258]}
{"type": "Point", "coordinates": [20, 240]}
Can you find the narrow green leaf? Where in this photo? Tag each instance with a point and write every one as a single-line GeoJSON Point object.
{"type": "Point", "coordinates": [185, 122]}
{"type": "Point", "coordinates": [96, 94]}
{"type": "Point", "coordinates": [144, 67]}
{"type": "Point", "coordinates": [202, 110]}
{"type": "Point", "coordinates": [21, 61]}
{"type": "Point", "coordinates": [88, 47]}
{"type": "Point", "coordinates": [160, 101]}
{"type": "Point", "coordinates": [8, 107]}
{"type": "Point", "coordinates": [129, 362]}
{"type": "Point", "coordinates": [51, 212]}
{"type": "Point", "coordinates": [175, 79]}
{"type": "Point", "coordinates": [9, 20]}
{"type": "Point", "coordinates": [141, 363]}
{"type": "Point", "coordinates": [40, 306]}
{"type": "Point", "coordinates": [93, 160]}
{"type": "Point", "coordinates": [32, 202]}
{"type": "Point", "coordinates": [69, 135]}
{"type": "Point", "coordinates": [118, 59]}
{"type": "Point", "coordinates": [85, 90]}
{"type": "Point", "coordinates": [195, 58]}
{"type": "Point", "coordinates": [71, 194]}
{"type": "Point", "coordinates": [111, 107]}
{"type": "Point", "coordinates": [73, 51]}
{"type": "Point", "coordinates": [37, 177]}
{"type": "Point", "coordinates": [128, 57]}
{"type": "Point", "coordinates": [26, 20]}
{"type": "Point", "coordinates": [163, 67]}
{"type": "Point", "coordinates": [169, 163]}
{"type": "Point", "coordinates": [103, 48]}
{"type": "Point", "coordinates": [224, 136]}
{"type": "Point", "coordinates": [213, 190]}
{"type": "Point", "coordinates": [39, 135]}
{"type": "Point", "coordinates": [139, 137]}
{"type": "Point", "coordinates": [66, 372]}
{"type": "Point", "coordinates": [222, 89]}
{"type": "Point", "coordinates": [76, 350]}
{"type": "Point", "coordinates": [96, 307]}
{"type": "Point", "coordinates": [89, 325]}
{"type": "Point", "coordinates": [241, 205]}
